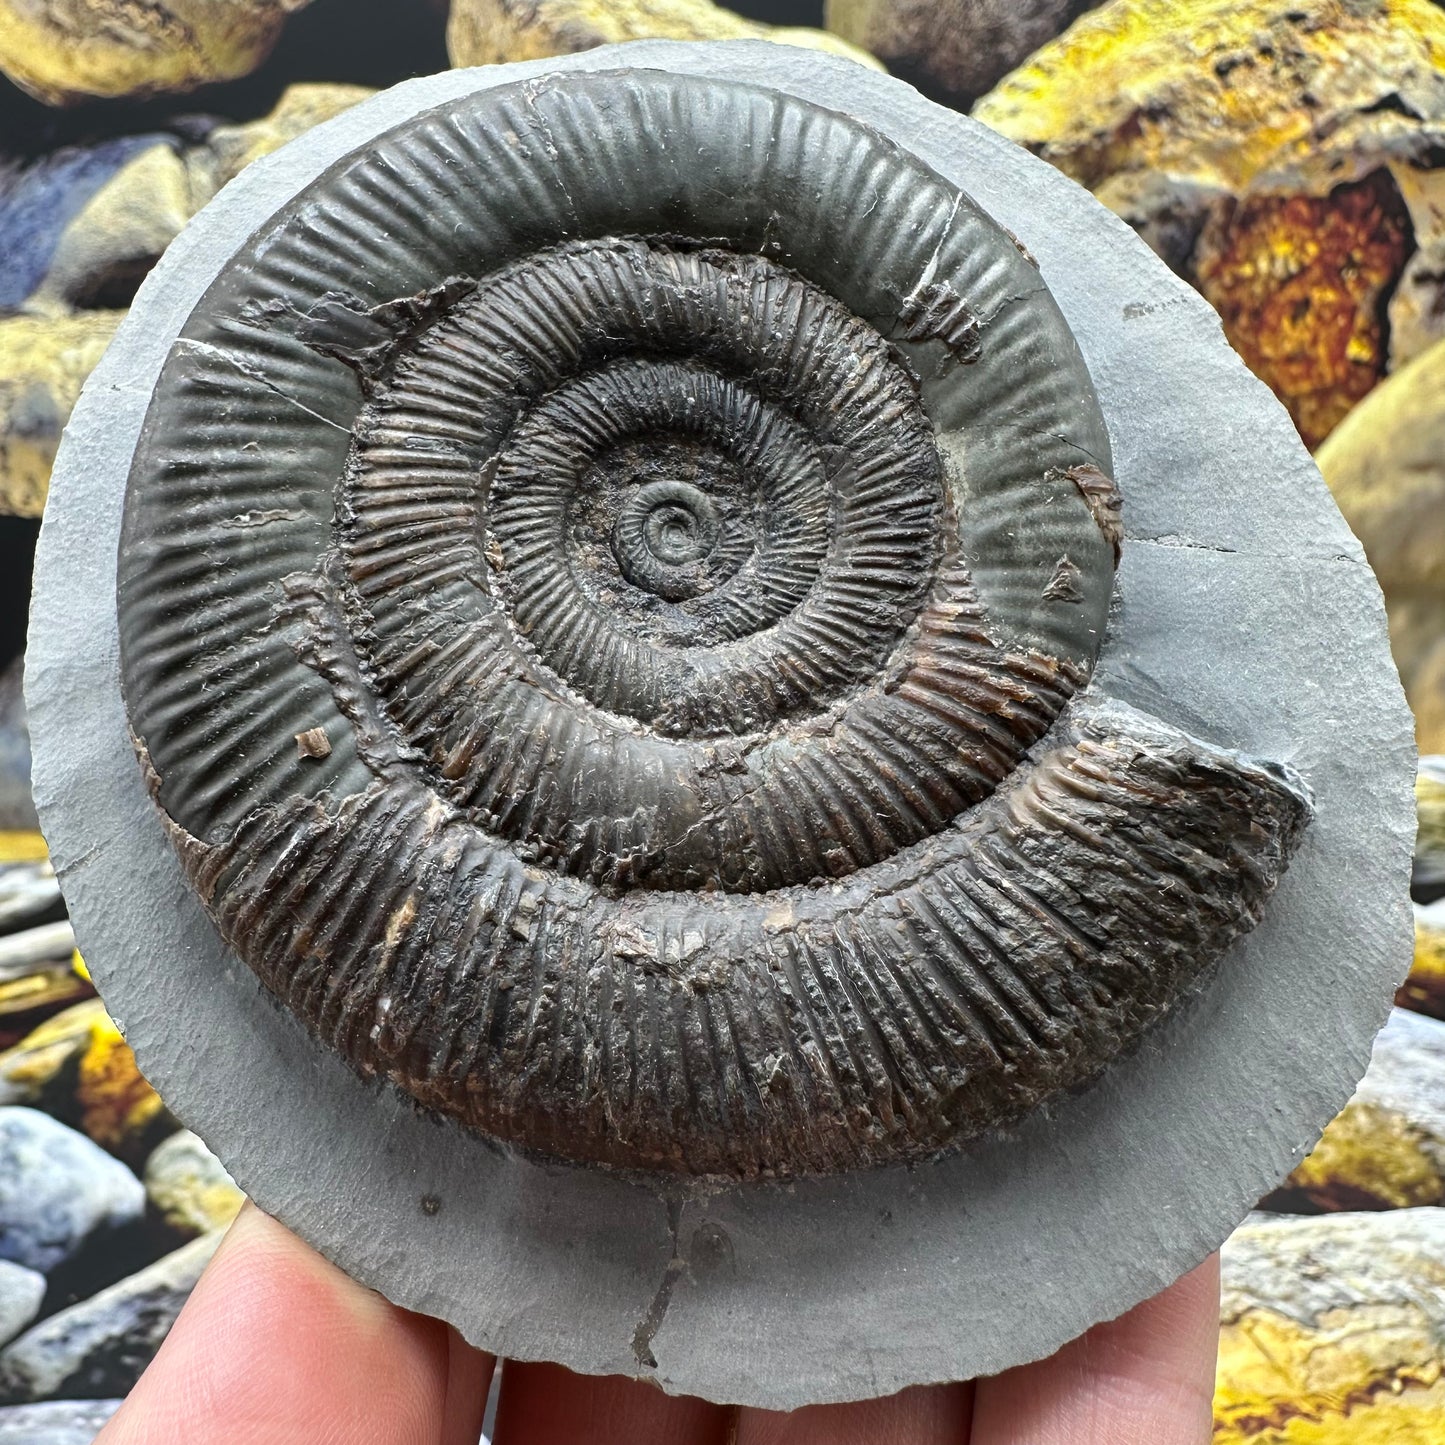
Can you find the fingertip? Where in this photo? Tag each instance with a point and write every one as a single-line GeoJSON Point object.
{"type": "Point", "coordinates": [277, 1345]}
{"type": "Point", "coordinates": [1145, 1377]}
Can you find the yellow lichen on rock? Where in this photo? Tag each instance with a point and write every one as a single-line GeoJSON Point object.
{"type": "Point", "coordinates": [77, 1066]}
{"type": "Point", "coordinates": [1386, 1148]}
{"type": "Point", "coordinates": [30, 1069]}
{"type": "Point", "coordinates": [1424, 990]}
{"type": "Point", "coordinates": [1385, 465]}
{"type": "Point", "coordinates": [43, 363]}
{"type": "Point", "coordinates": [68, 50]}
{"type": "Point", "coordinates": [1333, 1331]}
{"type": "Point", "coordinates": [116, 1106]}
{"type": "Point", "coordinates": [1297, 282]}
{"type": "Point", "coordinates": [1279, 153]}
{"type": "Point", "coordinates": [188, 1187]}
{"type": "Point", "coordinates": [229, 149]}
{"type": "Point", "coordinates": [1370, 1158]}
{"type": "Point", "coordinates": [21, 846]}
{"type": "Point", "coordinates": [488, 32]}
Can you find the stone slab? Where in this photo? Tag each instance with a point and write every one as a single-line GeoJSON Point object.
{"type": "Point", "coordinates": [1245, 613]}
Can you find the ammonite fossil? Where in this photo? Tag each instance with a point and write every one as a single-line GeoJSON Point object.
{"type": "Point", "coordinates": [608, 589]}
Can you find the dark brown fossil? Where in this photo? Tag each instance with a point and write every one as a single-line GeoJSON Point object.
{"type": "Point", "coordinates": [605, 588]}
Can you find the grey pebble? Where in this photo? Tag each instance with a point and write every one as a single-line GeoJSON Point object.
{"type": "Point", "coordinates": [57, 1422]}
{"type": "Point", "coordinates": [21, 1291]}
{"type": "Point", "coordinates": [98, 1348]}
{"type": "Point", "coordinates": [57, 1189]}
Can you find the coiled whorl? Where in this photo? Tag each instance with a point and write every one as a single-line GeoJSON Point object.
{"type": "Point", "coordinates": [669, 517]}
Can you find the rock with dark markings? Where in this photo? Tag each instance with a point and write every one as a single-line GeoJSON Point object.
{"type": "Point", "coordinates": [1386, 1147]}
{"type": "Point", "coordinates": [56, 1422]}
{"type": "Point", "coordinates": [1332, 1331]}
{"type": "Point", "coordinates": [1283, 155]}
{"type": "Point", "coordinates": [954, 49]}
{"type": "Point", "coordinates": [97, 1349]}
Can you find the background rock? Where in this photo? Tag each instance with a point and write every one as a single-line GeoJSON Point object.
{"type": "Point", "coordinates": [188, 1186]}
{"type": "Point", "coordinates": [1333, 1331]}
{"type": "Point", "coordinates": [1283, 155]}
{"type": "Point", "coordinates": [21, 1291]}
{"type": "Point", "coordinates": [57, 1189]}
{"type": "Point", "coordinates": [1428, 880]}
{"type": "Point", "coordinates": [17, 809]}
{"type": "Point", "coordinates": [81, 227]}
{"type": "Point", "coordinates": [487, 32]}
{"type": "Point", "coordinates": [78, 1068]}
{"type": "Point", "coordinates": [33, 1072]}
{"type": "Point", "coordinates": [1385, 464]}
{"type": "Point", "coordinates": [67, 50]}
{"type": "Point", "coordinates": [952, 50]}
{"type": "Point", "coordinates": [43, 363]}
{"type": "Point", "coordinates": [80, 230]}
{"type": "Point", "coordinates": [1424, 990]}
{"type": "Point", "coordinates": [229, 149]}
{"type": "Point", "coordinates": [1386, 1147]}
{"type": "Point", "coordinates": [59, 1422]}
{"type": "Point", "coordinates": [98, 1348]}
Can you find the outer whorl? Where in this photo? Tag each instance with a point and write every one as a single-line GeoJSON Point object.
{"type": "Point", "coordinates": [600, 614]}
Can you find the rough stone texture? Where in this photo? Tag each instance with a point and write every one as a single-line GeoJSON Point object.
{"type": "Point", "coordinates": [97, 1349]}
{"type": "Point", "coordinates": [1333, 1331]}
{"type": "Point", "coordinates": [1424, 990]}
{"type": "Point", "coordinates": [490, 32]}
{"type": "Point", "coordinates": [21, 1291]}
{"type": "Point", "coordinates": [1385, 464]}
{"type": "Point", "coordinates": [57, 1189]}
{"type": "Point", "coordinates": [43, 361]}
{"type": "Point", "coordinates": [937, 1268]}
{"type": "Point", "coordinates": [63, 51]}
{"type": "Point", "coordinates": [187, 1184]}
{"type": "Point", "coordinates": [1283, 155]}
{"type": "Point", "coordinates": [1386, 1147]}
{"type": "Point", "coordinates": [56, 1422]}
{"type": "Point", "coordinates": [951, 49]}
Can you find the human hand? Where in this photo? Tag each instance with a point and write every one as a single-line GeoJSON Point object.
{"type": "Point", "coordinates": [278, 1347]}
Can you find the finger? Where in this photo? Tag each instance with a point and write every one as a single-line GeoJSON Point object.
{"type": "Point", "coordinates": [925, 1415]}
{"type": "Point", "coordinates": [469, 1377]}
{"type": "Point", "coordinates": [1143, 1379]}
{"type": "Point", "coordinates": [277, 1346]}
{"type": "Point", "coordinates": [547, 1405]}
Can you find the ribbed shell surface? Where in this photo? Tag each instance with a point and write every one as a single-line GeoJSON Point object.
{"type": "Point", "coordinates": [677, 522]}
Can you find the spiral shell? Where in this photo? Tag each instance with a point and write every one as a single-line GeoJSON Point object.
{"type": "Point", "coordinates": [604, 588]}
